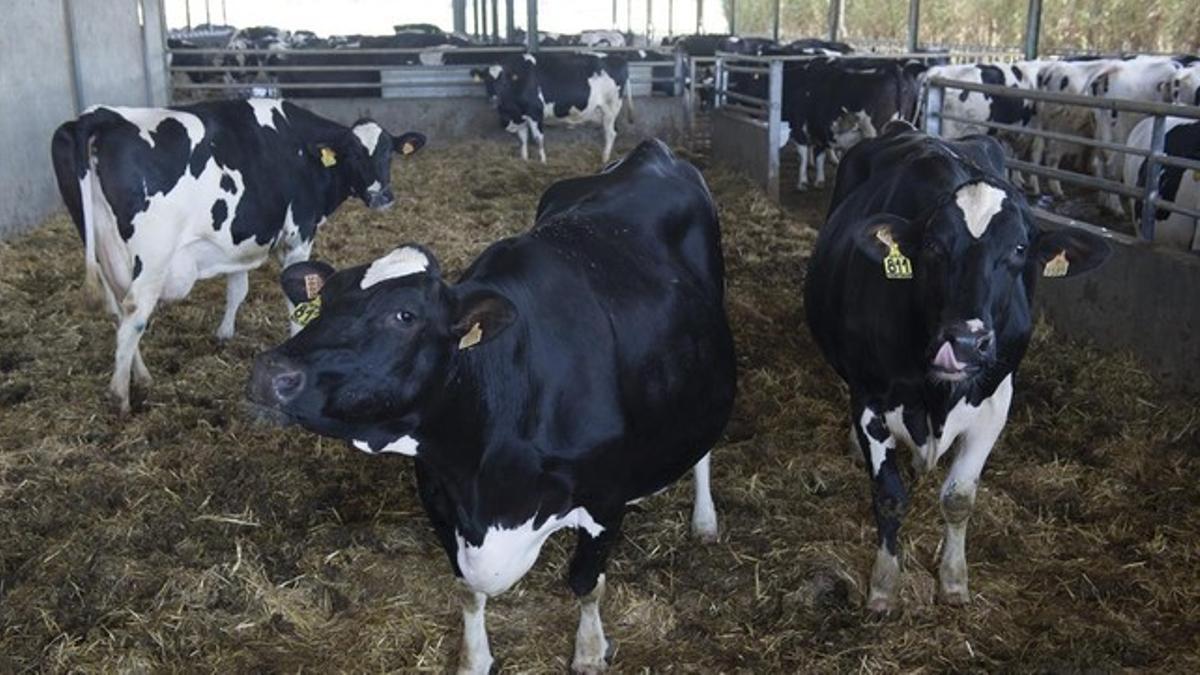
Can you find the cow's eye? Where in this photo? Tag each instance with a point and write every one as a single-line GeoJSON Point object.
{"type": "Point", "coordinates": [404, 316]}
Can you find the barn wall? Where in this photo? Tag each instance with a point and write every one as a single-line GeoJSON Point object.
{"type": "Point", "coordinates": [451, 120]}
{"type": "Point", "coordinates": [1152, 290]}
{"type": "Point", "coordinates": [43, 86]}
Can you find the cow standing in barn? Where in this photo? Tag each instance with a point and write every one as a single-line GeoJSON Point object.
{"type": "Point", "coordinates": [570, 371]}
{"type": "Point", "coordinates": [163, 197]}
{"type": "Point", "coordinates": [532, 91]}
{"type": "Point", "coordinates": [1175, 184]}
{"type": "Point", "coordinates": [918, 294]}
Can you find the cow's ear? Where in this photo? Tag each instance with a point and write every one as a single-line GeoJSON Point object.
{"type": "Point", "coordinates": [302, 282]}
{"type": "Point", "coordinates": [408, 142]}
{"type": "Point", "coordinates": [1068, 251]}
{"type": "Point", "coordinates": [481, 315]}
{"type": "Point", "coordinates": [882, 231]}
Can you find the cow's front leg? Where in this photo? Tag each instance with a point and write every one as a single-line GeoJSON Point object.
{"type": "Point", "coordinates": [958, 491]}
{"type": "Point", "coordinates": [609, 121]}
{"type": "Point", "coordinates": [539, 137]}
{"type": "Point", "coordinates": [819, 161]}
{"type": "Point", "coordinates": [704, 514]}
{"type": "Point", "coordinates": [802, 175]}
{"type": "Point", "coordinates": [237, 285]}
{"type": "Point", "coordinates": [476, 655]}
{"type": "Point", "coordinates": [522, 132]}
{"type": "Point", "coordinates": [586, 579]}
{"type": "Point", "coordinates": [889, 501]}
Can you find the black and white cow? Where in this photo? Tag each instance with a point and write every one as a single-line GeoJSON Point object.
{"type": "Point", "coordinates": [1175, 184]}
{"type": "Point", "coordinates": [1185, 88]}
{"type": "Point", "coordinates": [570, 371]}
{"type": "Point", "coordinates": [163, 197]}
{"type": "Point", "coordinates": [918, 294]}
{"type": "Point", "coordinates": [531, 91]}
{"type": "Point", "coordinates": [832, 104]}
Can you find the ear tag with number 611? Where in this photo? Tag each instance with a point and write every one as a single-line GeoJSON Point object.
{"type": "Point", "coordinates": [895, 264]}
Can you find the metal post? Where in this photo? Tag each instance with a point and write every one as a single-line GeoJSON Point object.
{"type": "Point", "coordinates": [510, 20]}
{"type": "Point", "coordinates": [914, 24]}
{"type": "Point", "coordinates": [1153, 176]}
{"type": "Point", "coordinates": [1033, 29]}
{"type": "Point", "coordinates": [680, 71]}
{"type": "Point", "coordinates": [719, 83]}
{"type": "Point", "coordinates": [689, 98]}
{"type": "Point", "coordinates": [775, 32]}
{"type": "Point", "coordinates": [532, 30]}
{"type": "Point", "coordinates": [699, 17]}
{"type": "Point", "coordinates": [208, 14]}
{"type": "Point", "coordinates": [670, 17]}
{"type": "Point", "coordinates": [495, 20]}
{"type": "Point", "coordinates": [187, 9]}
{"type": "Point", "coordinates": [774, 127]}
{"type": "Point", "coordinates": [933, 110]}
{"type": "Point", "coordinates": [835, 19]}
{"type": "Point", "coordinates": [460, 16]}
{"type": "Point", "coordinates": [649, 20]}
{"type": "Point", "coordinates": [73, 55]}
{"type": "Point", "coordinates": [629, 20]}
{"type": "Point", "coordinates": [224, 14]}
{"type": "Point", "coordinates": [733, 17]}
{"type": "Point", "coordinates": [475, 18]}
{"type": "Point", "coordinates": [483, 19]}
{"type": "Point", "coordinates": [614, 14]}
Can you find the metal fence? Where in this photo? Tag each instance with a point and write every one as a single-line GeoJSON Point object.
{"type": "Point", "coordinates": [1155, 156]}
{"type": "Point", "coordinates": [408, 80]}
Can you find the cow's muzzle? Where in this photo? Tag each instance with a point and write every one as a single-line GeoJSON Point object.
{"type": "Point", "coordinates": [274, 383]}
{"type": "Point", "coordinates": [961, 350]}
{"type": "Point", "coordinates": [380, 199]}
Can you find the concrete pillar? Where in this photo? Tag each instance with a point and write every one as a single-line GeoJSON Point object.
{"type": "Point", "coordinates": [510, 21]}
{"type": "Point", "coordinates": [460, 15]}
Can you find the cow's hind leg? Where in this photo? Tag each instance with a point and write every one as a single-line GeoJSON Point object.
{"type": "Point", "coordinates": [136, 308]}
{"type": "Point", "coordinates": [237, 285]}
{"type": "Point", "coordinates": [539, 136]}
{"type": "Point", "coordinates": [476, 655]}
{"type": "Point", "coordinates": [958, 491]}
{"type": "Point", "coordinates": [141, 374]}
{"type": "Point", "coordinates": [802, 174]}
{"type": "Point", "coordinates": [889, 501]}
{"type": "Point", "coordinates": [819, 161]}
{"type": "Point", "coordinates": [704, 514]}
{"type": "Point", "coordinates": [586, 579]}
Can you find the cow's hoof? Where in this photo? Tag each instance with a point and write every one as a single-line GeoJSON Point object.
{"type": "Point", "coordinates": [224, 334]}
{"type": "Point", "coordinates": [880, 605]}
{"type": "Point", "coordinates": [120, 404]}
{"type": "Point", "coordinates": [955, 597]}
{"type": "Point", "coordinates": [819, 185]}
{"type": "Point", "coordinates": [705, 533]}
{"type": "Point", "coordinates": [593, 665]}
{"type": "Point", "coordinates": [801, 187]}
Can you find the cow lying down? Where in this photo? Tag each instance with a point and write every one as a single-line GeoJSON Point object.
{"type": "Point", "coordinates": [164, 197]}
{"type": "Point", "coordinates": [570, 371]}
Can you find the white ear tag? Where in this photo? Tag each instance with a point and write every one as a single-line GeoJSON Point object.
{"type": "Point", "coordinates": [471, 338]}
{"type": "Point", "coordinates": [1057, 266]}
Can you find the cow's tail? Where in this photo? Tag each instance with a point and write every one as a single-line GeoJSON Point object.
{"type": "Point", "coordinates": [69, 153]}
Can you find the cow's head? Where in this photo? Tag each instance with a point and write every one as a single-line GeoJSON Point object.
{"type": "Point", "coordinates": [512, 87]}
{"type": "Point", "coordinates": [362, 158]}
{"type": "Point", "coordinates": [377, 349]}
{"type": "Point", "coordinates": [1185, 86]}
{"type": "Point", "coordinates": [973, 260]}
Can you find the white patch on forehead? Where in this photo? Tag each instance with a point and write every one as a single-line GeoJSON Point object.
{"type": "Point", "coordinates": [405, 445]}
{"type": "Point", "coordinates": [368, 134]}
{"type": "Point", "coordinates": [979, 202]}
{"type": "Point", "coordinates": [374, 187]}
{"type": "Point", "coordinates": [530, 58]}
{"type": "Point", "coordinates": [505, 555]}
{"type": "Point", "coordinates": [975, 324]}
{"type": "Point", "coordinates": [495, 71]}
{"type": "Point", "coordinates": [264, 109]}
{"type": "Point", "coordinates": [401, 262]}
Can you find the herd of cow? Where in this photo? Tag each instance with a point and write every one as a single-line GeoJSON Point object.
{"type": "Point", "coordinates": [833, 101]}
{"type": "Point", "coordinates": [588, 363]}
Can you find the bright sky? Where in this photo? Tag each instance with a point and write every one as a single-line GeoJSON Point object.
{"type": "Point", "coordinates": [331, 17]}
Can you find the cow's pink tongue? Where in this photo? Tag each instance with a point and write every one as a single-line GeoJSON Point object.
{"type": "Point", "coordinates": [946, 360]}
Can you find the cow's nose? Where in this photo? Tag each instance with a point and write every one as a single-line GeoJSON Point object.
{"type": "Point", "coordinates": [970, 341]}
{"type": "Point", "coordinates": [276, 381]}
{"type": "Point", "coordinates": [380, 199]}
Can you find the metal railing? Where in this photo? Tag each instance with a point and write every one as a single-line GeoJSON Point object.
{"type": "Point", "coordinates": [424, 80]}
{"type": "Point", "coordinates": [1155, 155]}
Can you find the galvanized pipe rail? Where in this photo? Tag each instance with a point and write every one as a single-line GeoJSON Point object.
{"type": "Point", "coordinates": [1156, 157]}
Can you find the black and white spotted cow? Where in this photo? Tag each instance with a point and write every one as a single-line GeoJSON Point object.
{"type": "Point", "coordinates": [569, 372]}
{"type": "Point", "coordinates": [979, 107]}
{"type": "Point", "coordinates": [532, 91]}
{"type": "Point", "coordinates": [1185, 88]}
{"type": "Point", "coordinates": [163, 197]}
{"type": "Point", "coordinates": [1064, 77]}
{"type": "Point", "coordinates": [1177, 185]}
{"type": "Point", "coordinates": [918, 294]}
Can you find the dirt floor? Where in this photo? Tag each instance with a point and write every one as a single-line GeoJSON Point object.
{"type": "Point", "coordinates": [188, 539]}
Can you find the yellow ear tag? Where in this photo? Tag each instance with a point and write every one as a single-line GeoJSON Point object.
{"type": "Point", "coordinates": [1057, 266]}
{"type": "Point", "coordinates": [408, 149]}
{"type": "Point", "coordinates": [895, 264]}
{"type": "Point", "coordinates": [472, 337]}
{"type": "Point", "coordinates": [476, 77]}
{"type": "Point", "coordinates": [328, 157]}
{"type": "Point", "coordinates": [305, 312]}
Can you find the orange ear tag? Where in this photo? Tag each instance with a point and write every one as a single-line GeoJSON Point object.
{"type": "Point", "coordinates": [1057, 266]}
